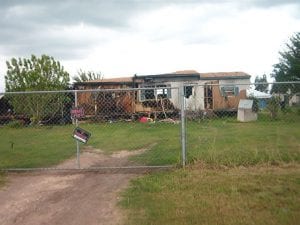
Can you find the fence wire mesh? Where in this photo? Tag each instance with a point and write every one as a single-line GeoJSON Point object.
{"type": "Point", "coordinates": [221, 123]}
{"type": "Point", "coordinates": [38, 129]}
{"type": "Point", "coordinates": [242, 124]}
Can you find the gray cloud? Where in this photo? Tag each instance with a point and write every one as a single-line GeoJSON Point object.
{"type": "Point", "coordinates": [103, 13]}
{"type": "Point", "coordinates": [99, 13]}
{"type": "Point", "coordinates": [26, 25]}
{"type": "Point", "coordinates": [59, 48]}
{"type": "Point", "coordinates": [270, 3]}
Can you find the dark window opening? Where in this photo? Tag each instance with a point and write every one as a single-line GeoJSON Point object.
{"type": "Point", "coordinates": [188, 91]}
{"type": "Point", "coordinates": [208, 96]}
{"type": "Point", "coordinates": [156, 92]}
{"type": "Point", "coordinates": [149, 94]}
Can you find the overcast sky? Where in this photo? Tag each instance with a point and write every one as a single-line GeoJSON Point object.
{"type": "Point", "coordinates": [126, 37]}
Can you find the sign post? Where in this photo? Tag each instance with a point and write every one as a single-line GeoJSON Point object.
{"type": "Point", "coordinates": [77, 142]}
{"type": "Point", "coordinates": [79, 134]}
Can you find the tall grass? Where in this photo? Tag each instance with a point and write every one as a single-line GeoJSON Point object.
{"type": "Point", "coordinates": [232, 143]}
{"type": "Point", "coordinates": [203, 196]}
{"type": "Point", "coordinates": [238, 175]}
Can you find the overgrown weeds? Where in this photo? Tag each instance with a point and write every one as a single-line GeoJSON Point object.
{"type": "Point", "coordinates": [253, 195]}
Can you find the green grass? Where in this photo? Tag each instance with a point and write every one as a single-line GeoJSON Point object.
{"type": "Point", "coordinates": [220, 141]}
{"type": "Point", "coordinates": [257, 195]}
{"type": "Point", "coordinates": [35, 147]}
{"type": "Point", "coordinates": [45, 146]}
{"type": "Point", "coordinates": [246, 193]}
{"type": "Point", "coordinates": [162, 140]}
{"type": "Point", "coordinates": [231, 143]}
{"type": "Point", "coordinates": [248, 190]}
{"type": "Point", "coordinates": [2, 179]}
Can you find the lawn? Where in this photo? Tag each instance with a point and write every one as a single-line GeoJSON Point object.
{"type": "Point", "coordinates": [31, 147]}
{"type": "Point", "coordinates": [256, 195]}
{"type": "Point", "coordinates": [230, 143]}
{"type": "Point", "coordinates": [238, 173]}
{"type": "Point", "coordinates": [35, 146]}
{"type": "Point", "coordinates": [216, 142]}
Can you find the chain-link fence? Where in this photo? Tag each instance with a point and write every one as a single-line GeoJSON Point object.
{"type": "Point", "coordinates": [215, 122]}
{"type": "Point", "coordinates": [90, 129]}
{"type": "Point", "coordinates": [240, 124]}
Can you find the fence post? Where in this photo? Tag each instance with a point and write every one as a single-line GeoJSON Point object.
{"type": "Point", "coordinates": [183, 126]}
{"type": "Point", "coordinates": [77, 142]}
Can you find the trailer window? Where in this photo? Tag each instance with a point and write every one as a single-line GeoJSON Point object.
{"type": "Point", "coordinates": [188, 91]}
{"type": "Point", "coordinates": [229, 90]}
{"type": "Point", "coordinates": [156, 91]}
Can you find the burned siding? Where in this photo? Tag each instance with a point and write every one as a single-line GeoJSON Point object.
{"type": "Point", "coordinates": [114, 104]}
{"type": "Point", "coordinates": [229, 92]}
{"type": "Point", "coordinates": [103, 102]}
{"type": "Point", "coordinates": [165, 100]}
{"type": "Point", "coordinates": [158, 94]}
{"type": "Point", "coordinates": [226, 102]}
{"type": "Point", "coordinates": [160, 108]}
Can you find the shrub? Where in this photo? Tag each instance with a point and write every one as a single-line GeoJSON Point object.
{"type": "Point", "coordinates": [273, 106]}
{"type": "Point", "coordinates": [15, 124]}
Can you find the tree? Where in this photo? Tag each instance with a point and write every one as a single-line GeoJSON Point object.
{"type": "Point", "coordinates": [36, 74]}
{"type": "Point", "coordinates": [261, 83]}
{"type": "Point", "coordinates": [288, 68]}
{"type": "Point", "coordinates": [83, 76]}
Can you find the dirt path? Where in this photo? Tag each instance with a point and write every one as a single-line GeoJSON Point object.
{"type": "Point", "coordinates": [64, 198]}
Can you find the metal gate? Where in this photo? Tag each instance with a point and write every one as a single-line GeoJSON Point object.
{"type": "Point", "coordinates": [91, 129]}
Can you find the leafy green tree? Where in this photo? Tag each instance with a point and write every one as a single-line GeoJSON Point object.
{"type": "Point", "coordinates": [36, 74]}
{"type": "Point", "coordinates": [288, 68]}
{"type": "Point", "coordinates": [261, 83]}
{"type": "Point", "coordinates": [83, 76]}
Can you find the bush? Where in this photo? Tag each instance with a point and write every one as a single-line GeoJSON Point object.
{"type": "Point", "coordinates": [273, 106]}
{"type": "Point", "coordinates": [15, 124]}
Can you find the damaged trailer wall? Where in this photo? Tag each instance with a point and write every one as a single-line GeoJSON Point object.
{"type": "Point", "coordinates": [199, 95]}
{"type": "Point", "coordinates": [196, 100]}
{"type": "Point", "coordinates": [223, 100]}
